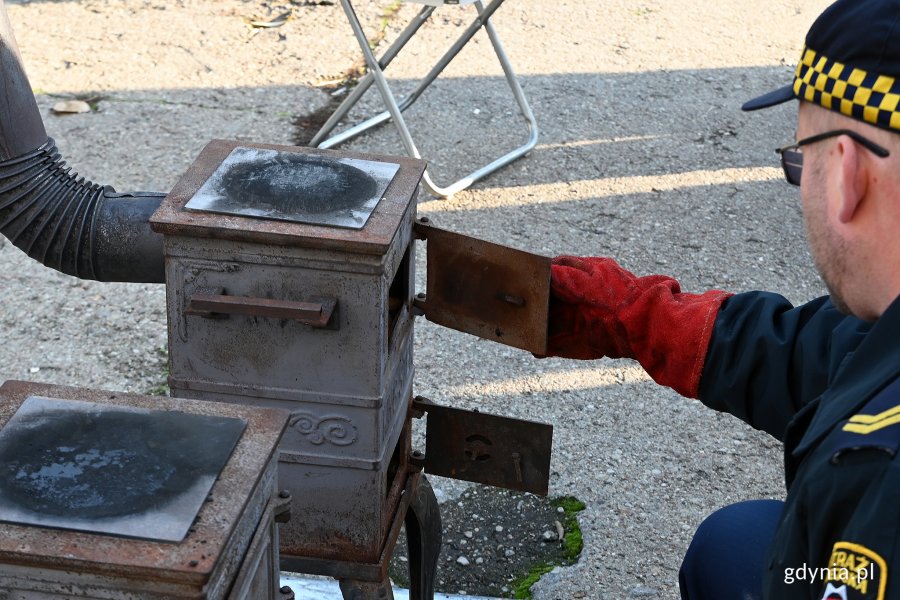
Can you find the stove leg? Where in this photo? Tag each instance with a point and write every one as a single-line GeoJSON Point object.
{"type": "Point", "coordinates": [423, 532]}
{"type": "Point", "coordinates": [352, 589]}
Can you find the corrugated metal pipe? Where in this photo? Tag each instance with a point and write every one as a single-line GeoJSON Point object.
{"type": "Point", "coordinates": [46, 210]}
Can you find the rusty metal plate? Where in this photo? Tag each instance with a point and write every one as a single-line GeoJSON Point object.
{"type": "Point", "coordinates": [492, 291]}
{"type": "Point", "coordinates": [498, 451]}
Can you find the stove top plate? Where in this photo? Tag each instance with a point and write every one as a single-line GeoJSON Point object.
{"type": "Point", "coordinates": [118, 470]}
{"type": "Point", "coordinates": [287, 186]}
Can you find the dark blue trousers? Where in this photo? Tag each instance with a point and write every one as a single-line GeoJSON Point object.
{"type": "Point", "coordinates": [725, 560]}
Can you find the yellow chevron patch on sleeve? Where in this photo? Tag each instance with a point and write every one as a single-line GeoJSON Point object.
{"type": "Point", "coordinates": [864, 424]}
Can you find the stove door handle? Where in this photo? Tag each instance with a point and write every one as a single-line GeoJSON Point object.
{"type": "Point", "coordinates": [317, 313]}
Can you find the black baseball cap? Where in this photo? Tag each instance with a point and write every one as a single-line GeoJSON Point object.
{"type": "Point", "coordinates": [850, 64]}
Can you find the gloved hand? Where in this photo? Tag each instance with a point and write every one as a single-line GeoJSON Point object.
{"type": "Point", "coordinates": [597, 309]}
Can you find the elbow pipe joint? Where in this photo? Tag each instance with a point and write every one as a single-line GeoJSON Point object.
{"type": "Point", "coordinates": [63, 221]}
{"type": "Point", "coordinates": [75, 226]}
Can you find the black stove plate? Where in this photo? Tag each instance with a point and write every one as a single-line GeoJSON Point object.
{"type": "Point", "coordinates": [110, 469]}
{"type": "Point", "coordinates": [288, 186]}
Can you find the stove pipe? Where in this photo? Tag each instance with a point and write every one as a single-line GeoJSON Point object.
{"type": "Point", "coordinates": [63, 221]}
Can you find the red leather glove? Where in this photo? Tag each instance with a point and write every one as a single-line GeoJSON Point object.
{"type": "Point", "coordinates": [598, 309]}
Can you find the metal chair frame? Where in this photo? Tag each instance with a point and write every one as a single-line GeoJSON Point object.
{"type": "Point", "coordinates": [395, 109]}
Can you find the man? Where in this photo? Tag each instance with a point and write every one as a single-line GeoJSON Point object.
{"type": "Point", "coordinates": [823, 377]}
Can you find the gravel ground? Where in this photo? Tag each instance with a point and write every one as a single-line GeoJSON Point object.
{"type": "Point", "coordinates": [643, 155]}
{"type": "Point", "coordinates": [493, 540]}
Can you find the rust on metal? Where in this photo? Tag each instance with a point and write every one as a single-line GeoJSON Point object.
{"type": "Point", "coordinates": [171, 219]}
{"type": "Point", "coordinates": [492, 291]}
{"type": "Point", "coordinates": [348, 390]}
{"type": "Point", "coordinates": [488, 449]}
{"type": "Point", "coordinates": [360, 567]}
{"type": "Point", "coordinates": [314, 314]}
{"type": "Point", "coordinates": [216, 537]}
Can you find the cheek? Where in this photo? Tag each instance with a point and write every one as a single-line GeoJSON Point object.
{"type": "Point", "coordinates": [813, 192]}
{"type": "Point", "coordinates": [808, 199]}
{"type": "Point", "coordinates": [813, 206]}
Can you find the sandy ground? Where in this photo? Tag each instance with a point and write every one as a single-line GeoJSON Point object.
{"type": "Point", "coordinates": [644, 155]}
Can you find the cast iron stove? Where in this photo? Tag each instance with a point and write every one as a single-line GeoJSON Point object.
{"type": "Point", "coordinates": [290, 283]}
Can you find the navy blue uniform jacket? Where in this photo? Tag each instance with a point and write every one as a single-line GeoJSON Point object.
{"type": "Point", "coordinates": [828, 386]}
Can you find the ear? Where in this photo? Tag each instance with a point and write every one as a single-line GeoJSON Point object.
{"type": "Point", "coordinates": [853, 179]}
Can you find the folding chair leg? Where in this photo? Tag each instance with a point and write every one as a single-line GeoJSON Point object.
{"type": "Point", "coordinates": [524, 109]}
{"type": "Point", "coordinates": [363, 85]}
{"type": "Point", "coordinates": [394, 109]}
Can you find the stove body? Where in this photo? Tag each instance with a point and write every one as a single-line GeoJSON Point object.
{"type": "Point", "coordinates": [310, 317]}
{"type": "Point", "coordinates": [230, 550]}
{"type": "Point", "coordinates": [290, 276]}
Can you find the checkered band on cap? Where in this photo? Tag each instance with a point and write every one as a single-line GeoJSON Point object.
{"type": "Point", "coordinates": [854, 92]}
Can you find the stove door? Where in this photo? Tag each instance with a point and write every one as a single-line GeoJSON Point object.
{"type": "Point", "coordinates": [489, 449]}
{"type": "Point", "coordinates": [492, 291]}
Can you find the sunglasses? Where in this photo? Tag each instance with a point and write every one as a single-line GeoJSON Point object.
{"type": "Point", "coordinates": [792, 156]}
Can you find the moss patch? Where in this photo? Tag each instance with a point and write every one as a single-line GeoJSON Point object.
{"type": "Point", "coordinates": [572, 544]}
{"type": "Point", "coordinates": [498, 543]}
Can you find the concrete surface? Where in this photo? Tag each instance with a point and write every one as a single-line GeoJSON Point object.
{"type": "Point", "coordinates": [306, 588]}
{"type": "Point", "coordinates": [644, 155]}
